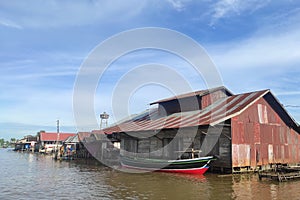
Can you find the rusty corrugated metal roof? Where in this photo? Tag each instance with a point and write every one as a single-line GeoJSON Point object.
{"type": "Point", "coordinates": [196, 93]}
{"type": "Point", "coordinates": [217, 112]}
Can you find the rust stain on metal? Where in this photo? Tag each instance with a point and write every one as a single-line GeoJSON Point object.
{"type": "Point", "coordinates": [261, 131]}
{"type": "Point", "coordinates": [270, 139]}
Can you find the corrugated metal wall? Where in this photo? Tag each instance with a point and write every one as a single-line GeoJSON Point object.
{"type": "Point", "coordinates": [260, 138]}
{"type": "Point", "coordinates": [211, 98]}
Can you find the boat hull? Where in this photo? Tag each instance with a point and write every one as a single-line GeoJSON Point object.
{"type": "Point", "coordinates": [188, 166]}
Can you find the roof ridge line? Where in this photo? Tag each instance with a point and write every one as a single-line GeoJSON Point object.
{"type": "Point", "coordinates": [246, 107]}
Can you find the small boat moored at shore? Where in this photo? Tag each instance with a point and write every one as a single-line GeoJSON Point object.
{"type": "Point", "coordinates": [187, 166]}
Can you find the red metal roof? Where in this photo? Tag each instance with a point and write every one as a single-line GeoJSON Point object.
{"type": "Point", "coordinates": [217, 112]}
{"type": "Point", "coordinates": [196, 93]}
{"type": "Point", "coordinates": [45, 136]}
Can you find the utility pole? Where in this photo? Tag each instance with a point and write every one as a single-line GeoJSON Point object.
{"type": "Point", "coordinates": [57, 125]}
{"type": "Point", "coordinates": [57, 130]}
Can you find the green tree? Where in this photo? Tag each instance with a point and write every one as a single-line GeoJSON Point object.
{"type": "Point", "coordinates": [12, 140]}
{"type": "Point", "coordinates": [1, 142]}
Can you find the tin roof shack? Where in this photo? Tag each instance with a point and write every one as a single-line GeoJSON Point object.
{"type": "Point", "coordinates": [81, 151]}
{"type": "Point", "coordinates": [246, 131]}
{"type": "Point", "coordinates": [177, 128]}
{"type": "Point", "coordinates": [101, 146]}
{"type": "Point", "coordinates": [25, 144]}
{"type": "Point", "coordinates": [70, 147]}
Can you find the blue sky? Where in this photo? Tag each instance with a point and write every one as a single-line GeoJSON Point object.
{"type": "Point", "coordinates": [254, 44]}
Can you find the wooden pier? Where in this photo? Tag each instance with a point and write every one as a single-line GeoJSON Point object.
{"type": "Point", "coordinates": [279, 175]}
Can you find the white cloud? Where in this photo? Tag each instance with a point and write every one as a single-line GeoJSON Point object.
{"type": "Point", "coordinates": [269, 58]}
{"type": "Point", "coordinates": [8, 23]}
{"type": "Point", "coordinates": [30, 103]}
{"type": "Point", "coordinates": [19, 130]}
{"type": "Point", "coordinates": [37, 106]}
{"type": "Point", "coordinates": [28, 74]}
{"type": "Point", "coordinates": [40, 65]}
{"type": "Point", "coordinates": [260, 51]}
{"type": "Point", "coordinates": [227, 8]}
{"type": "Point", "coordinates": [288, 93]}
{"type": "Point", "coordinates": [55, 13]}
{"type": "Point", "coordinates": [178, 5]}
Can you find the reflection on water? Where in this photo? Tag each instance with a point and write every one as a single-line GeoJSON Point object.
{"type": "Point", "coordinates": [35, 176]}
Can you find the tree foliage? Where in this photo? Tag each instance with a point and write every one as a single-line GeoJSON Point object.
{"type": "Point", "coordinates": [4, 143]}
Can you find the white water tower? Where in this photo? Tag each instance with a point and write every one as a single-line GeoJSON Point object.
{"type": "Point", "coordinates": [104, 120]}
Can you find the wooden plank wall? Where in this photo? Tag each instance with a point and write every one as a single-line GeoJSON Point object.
{"type": "Point", "coordinates": [165, 145]}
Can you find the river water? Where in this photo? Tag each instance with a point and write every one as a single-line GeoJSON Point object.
{"type": "Point", "coordinates": [36, 176]}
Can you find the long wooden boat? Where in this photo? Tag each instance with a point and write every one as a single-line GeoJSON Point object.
{"type": "Point", "coordinates": [187, 166]}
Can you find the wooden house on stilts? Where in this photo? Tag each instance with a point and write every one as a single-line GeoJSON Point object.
{"type": "Point", "coordinates": [245, 132]}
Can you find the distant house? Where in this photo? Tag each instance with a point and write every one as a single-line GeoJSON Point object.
{"type": "Point", "coordinates": [72, 142]}
{"type": "Point", "coordinates": [100, 146]}
{"type": "Point", "coordinates": [27, 143]}
{"type": "Point", "coordinates": [48, 140]}
{"type": "Point", "coordinates": [246, 131]}
{"type": "Point", "coordinates": [70, 147]}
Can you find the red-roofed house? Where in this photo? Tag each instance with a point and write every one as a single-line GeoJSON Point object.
{"type": "Point", "coordinates": [48, 140]}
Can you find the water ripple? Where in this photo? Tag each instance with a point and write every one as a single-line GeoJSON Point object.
{"type": "Point", "coordinates": [35, 176]}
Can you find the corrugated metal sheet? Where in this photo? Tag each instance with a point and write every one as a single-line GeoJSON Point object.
{"type": "Point", "coordinates": [196, 93]}
{"type": "Point", "coordinates": [217, 112]}
{"type": "Point", "coordinates": [270, 138]}
{"type": "Point", "coordinates": [262, 132]}
{"type": "Point", "coordinates": [241, 155]}
{"type": "Point", "coordinates": [72, 139]}
{"type": "Point", "coordinates": [207, 100]}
